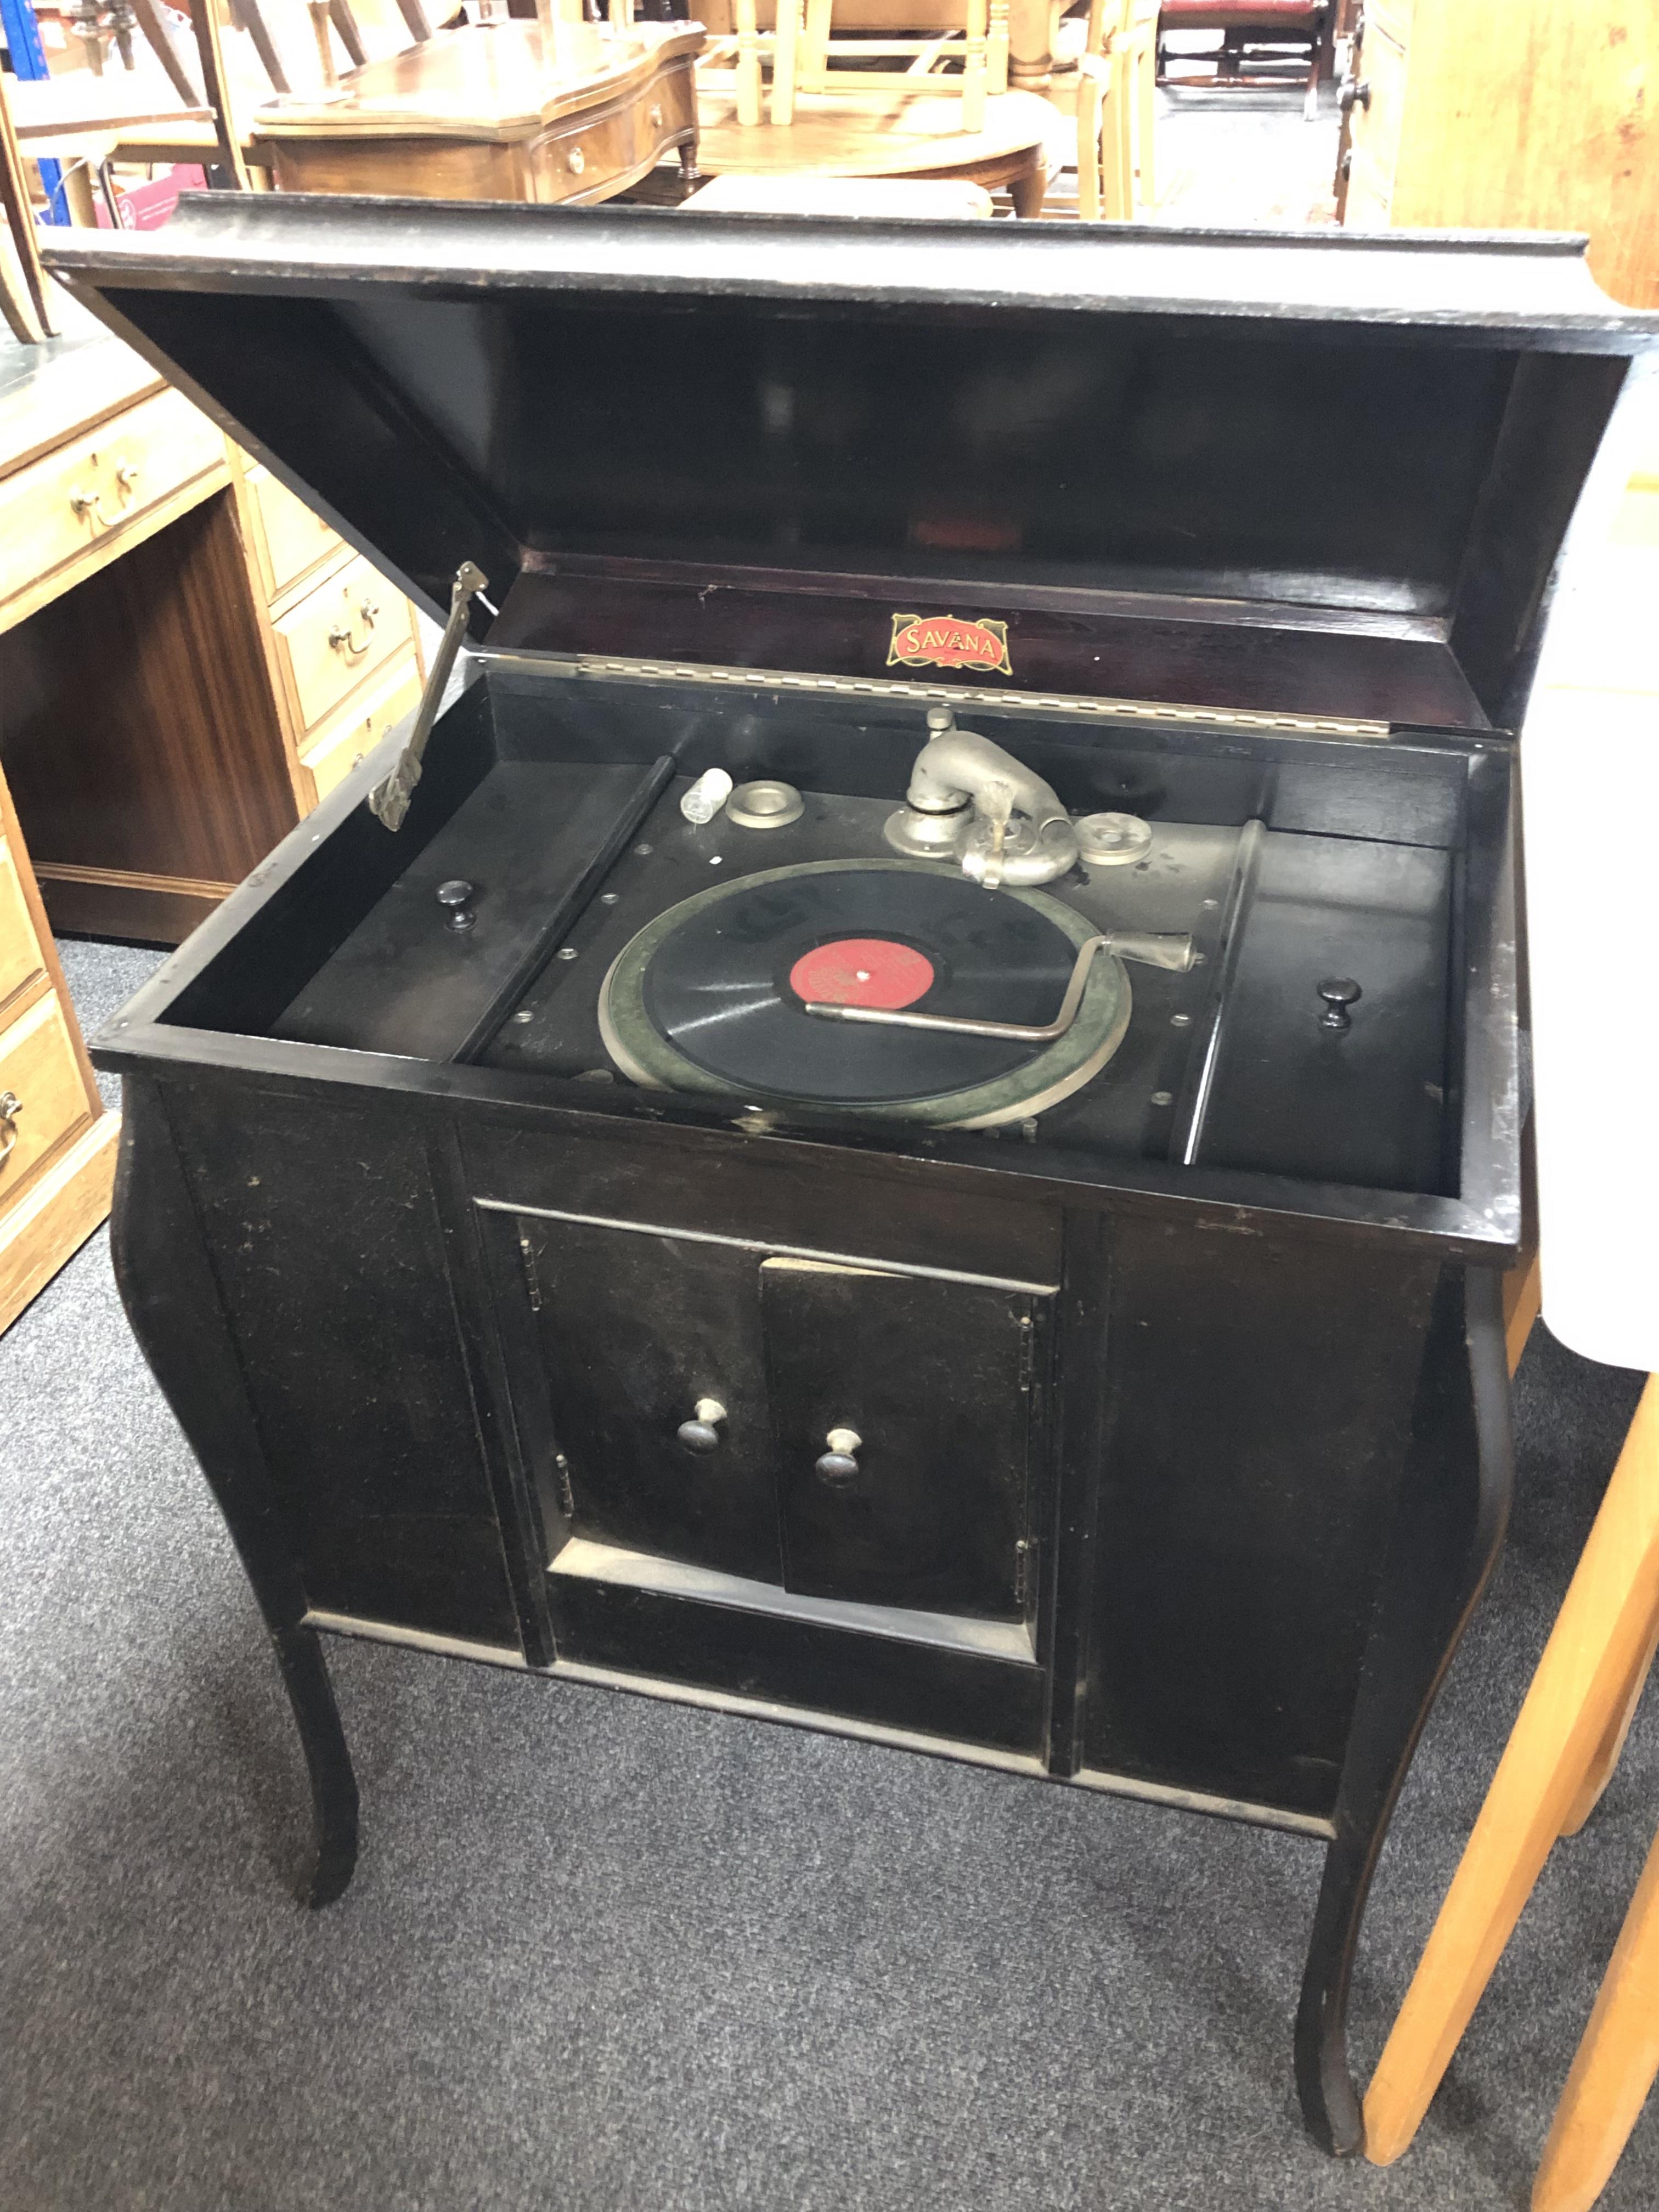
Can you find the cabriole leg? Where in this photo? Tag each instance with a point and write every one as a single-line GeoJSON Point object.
{"type": "Point", "coordinates": [172, 1300]}
{"type": "Point", "coordinates": [1448, 1532]}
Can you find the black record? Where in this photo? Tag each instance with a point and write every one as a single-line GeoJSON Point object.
{"type": "Point", "coordinates": [717, 987]}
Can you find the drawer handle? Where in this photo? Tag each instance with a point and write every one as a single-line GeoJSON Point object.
{"type": "Point", "coordinates": [10, 1106]}
{"type": "Point", "coordinates": [656, 119]}
{"type": "Point", "coordinates": [576, 160]}
{"type": "Point", "coordinates": [701, 1434]}
{"type": "Point", "coordinates": [838, 1465]}
{"type": "Point", "coordinates": [340, 637]}
{"type": "Point", "coordinates": [85, 503]}
{"type": "Point", "coordinates": [1357, 92]}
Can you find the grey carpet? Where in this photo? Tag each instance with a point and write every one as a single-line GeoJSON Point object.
{"type": "Point", "coordinates": [606, 1953]}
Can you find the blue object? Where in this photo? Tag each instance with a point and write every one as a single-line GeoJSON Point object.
{"type": "Point", "coordinates": [29, 60]}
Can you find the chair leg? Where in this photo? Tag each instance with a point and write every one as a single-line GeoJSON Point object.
{"type": "Point", "coordinates": [974, 68]}
{"type": "Point", "coordinates": [205, 21]}
{"type": "Point", "coordinates": [1616, 2064]}
{"type": "Point", "coordinates": [748, 68]}
{"type": "Point", "coordinates": [1146, 97]}
{"type": "Point", "coordinates": [155, 28]}
{"type": "Point", "coordinates": [1604, 1764]}
{"type": "Point", "coordinates": [24, 301]}
{"type": "Point", "coordinates": [998, 57]}
{"type": "Point", "coordinates": [1578, 1696]}
{"type": "Point", "coordinates": [1088, 111]}
{"type": "Point", "coordinates": [812, 65]}
{"type": "Point", "coordinates": [783, 62]}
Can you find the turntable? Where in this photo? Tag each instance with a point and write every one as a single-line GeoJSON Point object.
{"type": "Point", "coordinates": [907, 1115]}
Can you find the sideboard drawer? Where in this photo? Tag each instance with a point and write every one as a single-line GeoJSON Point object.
{"type": "Point", "coordinates": [75, 499]}
{"type": "Point", "coordinates": [38, 1071]}
{"type": "Point", "coordinates": [289, 539]}
{"type": "Point", "coordinates": [590, 151]}
{"type": "Point", "coordinates": [339, 633]}
{"type": "Point", "coordinates": [337, 749]}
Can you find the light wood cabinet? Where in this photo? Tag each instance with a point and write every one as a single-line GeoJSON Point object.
{"type": "Point", "coordinates": [179, 634]}
{"type": "Point", "coordinates": [186, 664]}
{"type": "Point", "coordinates": [57, 1140]}
{"type": "Point", "coordinates": [1512, 115]}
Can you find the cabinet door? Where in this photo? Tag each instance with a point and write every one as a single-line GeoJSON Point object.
{"type": "Point", "coordinates": [635, 1327]}
{"type": "Point", "coordinates": [935, 1379]}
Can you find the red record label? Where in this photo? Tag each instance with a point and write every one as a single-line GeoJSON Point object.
{"type": "Point", "coordinates": [862, 971]}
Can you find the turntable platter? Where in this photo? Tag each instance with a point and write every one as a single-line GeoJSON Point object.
{"type": "Point", "coordinates": [710, 996]}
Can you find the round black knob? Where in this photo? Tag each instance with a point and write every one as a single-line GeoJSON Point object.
{"type": "Point", "coordinates": [456, 897]}
{"type": "Point", "coordinates": [838, 1465]}
{"type": "Point", "coordinates": [701, 1433]}
{"type": "Point", "coordinates": [1338, 992]}
{"type": "Point", "coordinates": [1357, 92]}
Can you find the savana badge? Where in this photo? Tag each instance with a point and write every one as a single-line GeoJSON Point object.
{"type": "Point", "coordinates": [948, 642]}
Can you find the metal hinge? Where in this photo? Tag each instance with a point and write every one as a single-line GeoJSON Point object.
{"type": "Point", "coordinates": [1026, 1553]}
{"type": "Point", "coordinates": [567, 1495]}
{"type": "Point", "coordinates": [953, 695]}
{"type": "Point", "coordinates": [528, 1257]}
{"type": "Point", "coordinates": [1027, 1351]}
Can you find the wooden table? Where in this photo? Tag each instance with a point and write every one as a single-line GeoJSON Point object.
{"type": "Point", "coordinates": [77, 104]}
{"type": "Point", "coordinates": [480, 113]}
{"type": "Point", "coordinates": [81, 120]}
{"type": "Point", "coordinates": [917, 137]}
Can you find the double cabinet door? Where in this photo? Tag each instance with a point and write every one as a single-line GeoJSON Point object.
{"type": "Point", "coordinates": [832, 1428]}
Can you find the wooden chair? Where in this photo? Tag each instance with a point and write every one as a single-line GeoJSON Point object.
{"type": "Point", "coordinates": [808, 60]}
{"type": "Point", "coordinates": [1560, 1758]}
{"type": "Point", "coordinates": [1263, 42]}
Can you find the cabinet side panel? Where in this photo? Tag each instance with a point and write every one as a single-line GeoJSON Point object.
{"type": "Point", "coordinates": [325, 1236]}
{"type": "Point", "coordinates": [1259, 1401]}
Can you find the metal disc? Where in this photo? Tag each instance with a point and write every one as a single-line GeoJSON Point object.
{"type": "Point", "coordinates": [1110, 841]}
{"type": "Point", "coordinates": [702, 999]}
{"type": "Point", "coordinates": [766, 804]}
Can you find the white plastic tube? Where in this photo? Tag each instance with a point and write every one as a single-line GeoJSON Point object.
{"type": "Point", "coordinates": [707, 795]}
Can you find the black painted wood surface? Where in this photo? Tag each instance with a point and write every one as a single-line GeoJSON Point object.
{"type": "Point", "coordinates": [433, 1314]}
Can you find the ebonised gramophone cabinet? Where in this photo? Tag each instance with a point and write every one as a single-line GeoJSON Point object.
{"type": "Point", "coordinates": [1178, 1407]}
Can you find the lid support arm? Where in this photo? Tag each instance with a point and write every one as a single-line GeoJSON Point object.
{"type": "Point", "coordinates": [389, 801]}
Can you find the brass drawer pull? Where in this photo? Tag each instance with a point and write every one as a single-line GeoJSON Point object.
{"type": "Point", "coordinates": [83, 504]}
{"type": "Point", "coordinates": [576, 160]}
{"type": "Point", "coordinates": [340, 637]}
{"type": "Point", "coordinates": [655, 118]}
{"type": "Point", "coordinates": [10, 1106]}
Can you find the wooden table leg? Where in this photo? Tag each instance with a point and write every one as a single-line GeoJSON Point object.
{"type": "Point", "coordinates": [1027, 189]}
{"type": "Point", "coordinates": [1615, 2067]}
{"type": "Point", "coordinates": [1578, 1697]}
{"type": "Point", "coordinates": [1030, 64]}
{"type": "Point", "coordinates": [23, 301]}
